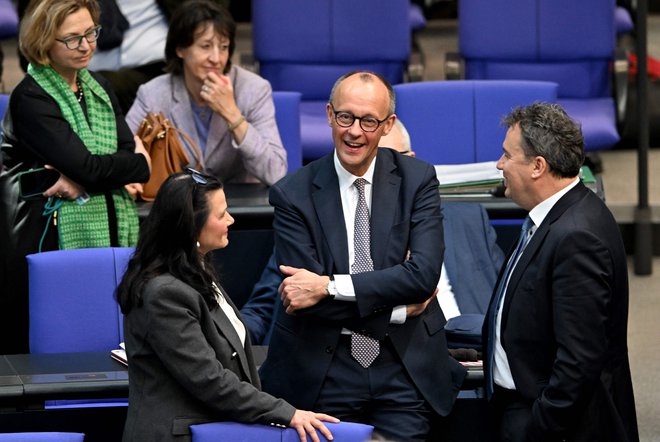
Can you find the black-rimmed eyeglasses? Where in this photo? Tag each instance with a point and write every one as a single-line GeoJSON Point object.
{"type": "Point", "coordinates": [75, 41]}
{"type": "Point", "coordinates": [346, 119]}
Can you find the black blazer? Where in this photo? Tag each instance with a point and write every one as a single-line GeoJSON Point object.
{"type": "Point", "coordinates": [310, 233]}
{"type": "Point", "coordinates": [564, 325]}
{"type": "Point", "coordinates": [187, 366]}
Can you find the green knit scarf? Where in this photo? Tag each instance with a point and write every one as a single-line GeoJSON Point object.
{"type": "Point", "coordinates": [83, 226]}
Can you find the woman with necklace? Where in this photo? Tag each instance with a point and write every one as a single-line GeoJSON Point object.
{"type": "Point", "coordinates": [63, 117]}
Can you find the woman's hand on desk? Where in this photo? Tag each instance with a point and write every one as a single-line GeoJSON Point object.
{"type": "Point", "coordinates": [307, 422]}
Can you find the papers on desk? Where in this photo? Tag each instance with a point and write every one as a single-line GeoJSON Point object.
{"type": "Point", "coordinates": [484, 179]}
{"type": "Point", "coordinates": [472, 178]}
{"type": "Point", "coordinates": [119, 354]}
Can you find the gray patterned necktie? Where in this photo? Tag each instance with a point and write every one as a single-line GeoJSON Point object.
{"type": "Point", "coordinates": [363, 348]}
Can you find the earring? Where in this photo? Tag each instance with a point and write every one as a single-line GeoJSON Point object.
{"type": "Point", "coordinates": [198, 244]}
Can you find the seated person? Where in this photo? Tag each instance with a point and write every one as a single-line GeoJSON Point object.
{"type": "Point", "coordinates": [469, 271]}
{"type": "Point", "coordinates": [226, 110]}
{"type": "Point", "coordinates": [132, 45]}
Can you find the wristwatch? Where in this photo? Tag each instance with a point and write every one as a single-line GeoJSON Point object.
{"type": "Point", "coordinates": [332, 287]}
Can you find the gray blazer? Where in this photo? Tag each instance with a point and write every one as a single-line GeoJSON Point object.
{"type": "Point", "coordinates": [261, 155]}
{"type": "Point", "coordinates": [186, 366]}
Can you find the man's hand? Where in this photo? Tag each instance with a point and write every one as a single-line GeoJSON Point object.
{"type": "Point", "coordinates": [301, 288]}
{"type": "Point", "coordinates": [418, 309]}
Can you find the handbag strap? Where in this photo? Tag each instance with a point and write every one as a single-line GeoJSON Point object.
{"type": "Point", "coordinates": [198, 156]}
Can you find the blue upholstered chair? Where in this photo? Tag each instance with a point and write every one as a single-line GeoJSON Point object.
{"type": "Point", "coordinates": [306, 46]}
{"type": "Point", "coordinates": [72, 304]}
{"type": "Point", "coordinates": [73, 308]}
{"type": "Point", "coordinates": [8, 19]}
{"type": "Point", "coordinates": [42, 437]}
{"type": "Point", "coordinates": [548, 40]}
{"type": "Point", "coordinates": [287, 114]}
{"type": "Point", "coordinates": [238, 432]}
{"type": "Point", "coordinates": [458, 122]}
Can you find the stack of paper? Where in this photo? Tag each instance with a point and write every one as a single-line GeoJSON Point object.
{"type": "Point", "coordinates": [469, 178]}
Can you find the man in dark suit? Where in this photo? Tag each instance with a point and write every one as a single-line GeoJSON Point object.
{"type": "Point", "coordinates": [471, 262]}
{"type": "Point", "coordinates": [333, 313]}
{"type": "Point", "coordinates": [557, 358]}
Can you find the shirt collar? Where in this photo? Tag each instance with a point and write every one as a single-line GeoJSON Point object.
{"type": "Point", "coordinates": [541, 210]}
{"type": "Point", "coordinates": [346, 178]}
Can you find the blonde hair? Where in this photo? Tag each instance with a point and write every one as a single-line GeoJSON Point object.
{"type": "Point", "coordinates": [42, 20]}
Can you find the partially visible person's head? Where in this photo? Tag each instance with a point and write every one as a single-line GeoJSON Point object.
{"type": "Point", "coordinates": [543, 144]}
{"type": "Point", "coordinates": [360, 111]}
{"type": "Point", "coordinates": [398, 139]}
{"type": "Point", "coordinates": [46, 21]}
{"type": "Point", "coordinates": [201, 38]}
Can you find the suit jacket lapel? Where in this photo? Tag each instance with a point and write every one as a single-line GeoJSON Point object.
{"type": "Point", "coordinates": [182, 118]}
{"type": "Point", "coordinates": [327, 203]}
{"type": "Point", "coordinates": [226, 328]}
{"type": "Point", "coordinates": [536, 242]}
{"type": "Point", "coordinates": [383, 207]}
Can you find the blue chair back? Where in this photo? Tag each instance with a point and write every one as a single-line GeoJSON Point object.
{"type": "Point", "coordinates": [287, 115]}
{"type": "Point", "coordinates": [8, 19]}
{"type": "Point", "coordinates": [458, 122]}
{"type": "Point", "coordinates": [42, 437]}
{"type": "Point", "coordinates": [72, 302]}
{"type": "Point", "coordinates": [239, 432]}
{"type": "Point", "coordinates": [548, 42]}
{"type": "Point", "coordinates": [4, 102]}
{"type": "Point", "coordinates": [306, 46]}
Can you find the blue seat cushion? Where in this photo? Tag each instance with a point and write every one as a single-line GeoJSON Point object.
{"type": "Point", "coordinates": [464, 331]}
{"type": "Point", "coordinates": [598, 120]}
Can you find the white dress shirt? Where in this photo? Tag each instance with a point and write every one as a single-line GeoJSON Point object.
{"type": "Point", "coordinates": [501, 369]}
{"type": "Point", "coordinates": [349, 198]}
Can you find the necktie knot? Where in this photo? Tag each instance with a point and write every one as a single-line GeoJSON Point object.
{"type": "Point", "coordinates": [359, 184]}
{"type": "Point", "coordinates": [525, 230]}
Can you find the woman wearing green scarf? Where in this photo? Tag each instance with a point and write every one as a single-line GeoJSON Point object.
{"type": "Point", "coordinates": [63, 117]}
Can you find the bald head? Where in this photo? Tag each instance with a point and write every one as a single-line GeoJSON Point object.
{"type": "Point", "coordinates": [398, 139]}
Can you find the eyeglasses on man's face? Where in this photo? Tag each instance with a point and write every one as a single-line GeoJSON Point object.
{"type": "Point", "coordinates": [346, 119]}
{"type": "Point", "coordinates": [75, 41]}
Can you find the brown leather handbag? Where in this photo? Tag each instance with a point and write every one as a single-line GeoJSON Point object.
{"type": "Point", "coordinates": [161, 140]}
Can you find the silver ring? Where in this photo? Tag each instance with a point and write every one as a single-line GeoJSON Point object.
{"type": "Point", "coordinates": [205, 88]}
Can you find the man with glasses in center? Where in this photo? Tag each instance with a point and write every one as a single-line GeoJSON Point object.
{"type": "Point", "coordinates": [359, 240]}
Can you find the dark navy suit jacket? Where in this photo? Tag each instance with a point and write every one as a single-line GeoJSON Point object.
{"type": "Point", "coordinates": [472, 261]}
{"type": "Point", "coordinates": [310, 233]}
{"type": "Point", "coordinates": [564, 325]}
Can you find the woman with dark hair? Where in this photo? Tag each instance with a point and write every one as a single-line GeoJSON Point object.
{"type": "Point", "coordinates": [67, 118]}
{"type": "Point", "coordinates": [227, 111]}
{"type": "Point", "coordinates": [189, 357]}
